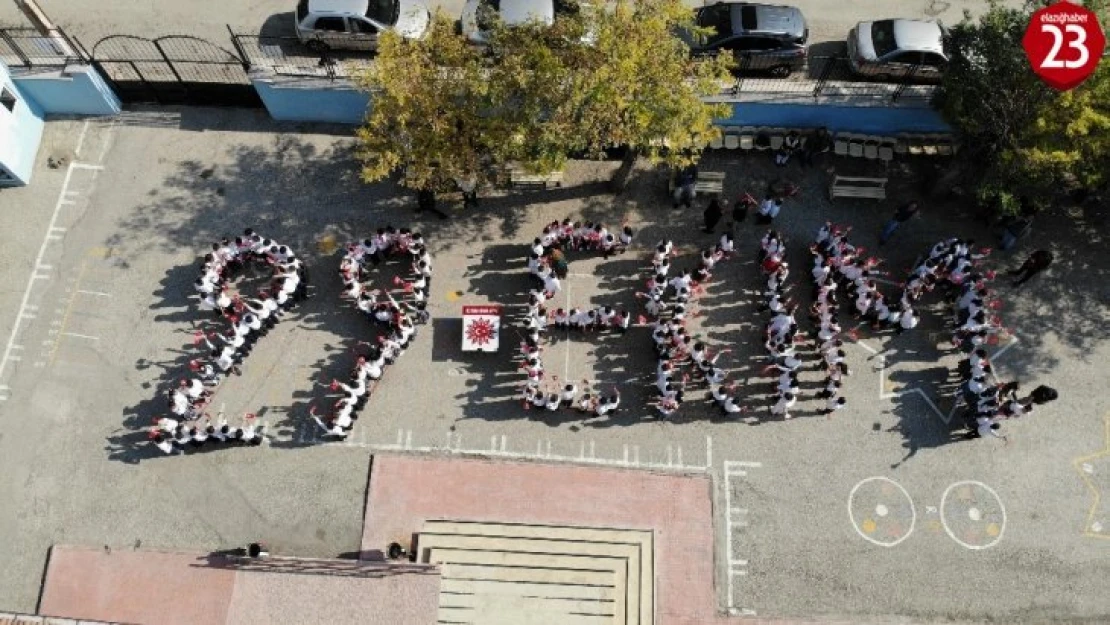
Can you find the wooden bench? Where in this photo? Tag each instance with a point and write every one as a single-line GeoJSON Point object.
{"type": "Point", "coordinates": [708, 183]}
{"type": "Point", "coordinates": [520, 178]}
{"type": "Point", "coordinates": [848, 186]}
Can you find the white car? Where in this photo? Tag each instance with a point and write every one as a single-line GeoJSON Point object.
{"type": "Point", "coordinates": [355, 24]}
{"type": "Point", "coordinates": [898, 49]}
{"type": "Point", "coordinates": [478, 15]}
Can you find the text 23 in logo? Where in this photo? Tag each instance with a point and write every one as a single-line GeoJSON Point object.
{"type": "Point", "coordinates": [1064, 43]}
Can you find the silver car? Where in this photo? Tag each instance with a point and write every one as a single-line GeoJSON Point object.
{"type": "Point", "coordinates": [898, 49]}
{"type": "Point", "coordinates": [355, 24]}
{"type": "Point", "coordinates": [478, 15]}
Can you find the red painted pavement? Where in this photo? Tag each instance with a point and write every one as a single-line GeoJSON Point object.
{"type": "Point", "coordinates": [160, 588]}
{"type": "Point", "coordinates": [405, 491]}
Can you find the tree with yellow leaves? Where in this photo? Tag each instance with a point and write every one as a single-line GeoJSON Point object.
{"type": "Point", "coordinates": [443, 110]}
{"type": "Point", "coordinates": [1023, 142]}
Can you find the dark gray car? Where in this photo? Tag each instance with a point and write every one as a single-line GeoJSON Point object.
{"type": "Point", "coordinates": [762, 37]}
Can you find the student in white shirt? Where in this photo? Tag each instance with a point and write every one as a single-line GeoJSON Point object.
{"type": "Point", "coordinates": [783, 405]}
{"type": "Point", "coordinates": [567, 395]}
{"type": "Point", "coordinates": [163, 443]}
{"type": "Point", "coordinates": [332, 430]}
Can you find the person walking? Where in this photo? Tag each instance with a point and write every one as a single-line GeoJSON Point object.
{"type": "Point", "coordinates": [768, 210]}
{"type": "Point", "coordinates": [713, 214]}
{"type": "Point", "coordinates": [904, 213]}
{"type": "Point", "coordinates": [820, 142]}
{"type": "Point", "coordinates": [1037, 262]}
{"type": "Point", "coordinates": [684, 187]}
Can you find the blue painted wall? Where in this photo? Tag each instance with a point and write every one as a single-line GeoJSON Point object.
{"type": "Point", "coordinates": [312, 100]}
{"type": "Point", "coordinates": [76, 90]}
{"type": "Point", "coordinates": [20, 134]}
{"type": "Point", "coordinates": [875, 120]}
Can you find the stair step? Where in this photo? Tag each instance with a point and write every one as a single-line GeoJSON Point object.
{"type": "Point", "coordinates": [640, 582]}
{"type": "Point", "coordinates": [525, 589]}
{"type": "Point", "coordinates": [644, 538]}
{"type": "Point", "coordinates": [617, 567]}
{"type": "Point", "coordinates": [506, 615]}
{"type": "Point", "coordinates": [549, 532]}
{"type": "Point", "coordinates": [481, 572]}
{"type": "Point", "coordinates": [528, 605]}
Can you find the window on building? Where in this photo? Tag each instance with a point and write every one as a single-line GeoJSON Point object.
{"type": "Point", "coordinates": [7, 98]}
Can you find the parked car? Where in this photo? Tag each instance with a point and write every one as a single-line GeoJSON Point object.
{"type": "Point", "coordinates": [355, 24]}
{"type": "Point", "coordinates": [898, 49]}
{"type": "Point", "coordinates": [762, 37]}
{"type": "Point", "coordinates": [478, 15]}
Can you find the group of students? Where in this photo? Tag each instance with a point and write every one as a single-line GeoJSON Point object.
{"type": "Point", "coordinates": [839, 265]}
{"type": "Point", "coordinates": [172, 436]}
{"type": "Point", "coordinates": [667, 300]}
{"type": "Point", "coordinates": [397, 317]}
{"type": "Point", "coordinates": [780, 334]}
{"type": "Point", "coordinates": [953, 261]}
{"type": "Point", "coordinates": [547, 265]}
{"type": "Point", "coordinates": [990, 402]}
{"type": "Point", "coordinates": [249, 319]}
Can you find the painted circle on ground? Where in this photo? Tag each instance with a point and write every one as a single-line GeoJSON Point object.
{"type": "Point", "coordinates": [881, 511]}
{"type": "Point", "coordinates": [972, 514]}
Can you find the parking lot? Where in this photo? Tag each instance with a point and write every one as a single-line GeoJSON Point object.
{"type": "Point", "coordinates": [876, 511]}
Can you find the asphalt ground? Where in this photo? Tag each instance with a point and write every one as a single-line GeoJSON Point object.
{"type": "Point", "coordinates": [876, 511]}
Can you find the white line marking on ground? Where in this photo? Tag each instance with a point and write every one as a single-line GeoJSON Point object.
{"type": "Point", "coordinates": [734, 566]}
{"type": "Point", "coordinates": [81, 139]}
{"type": "Point", "coordinates": [96, 293]}
{"type": "Point", "coordinates": [499, 449]}
{"type": "Point", "coordinates": [34, 274]}
{"type": "Point", "coordinates": [81, 336]}
{"type": "Point", "coordinates": [946, 418]}
{"type": "Point", "coordinates": [87, 166]}
{"type": "Point", "coordinates": [952, 535]}
{"type": "Point", "coordinates": [566, 341]}
{"type": "Point", "coordinates": [855, 523]}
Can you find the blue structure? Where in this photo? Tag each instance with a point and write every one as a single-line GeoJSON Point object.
{"type": "Point", "coordinates": [872, 120]}
{"type": "Point", "coordinates": [312, 100]}
{"type": "Point", "coordinates": [20, 132]}
{"type": "Point", "coordinates": [73, 90]}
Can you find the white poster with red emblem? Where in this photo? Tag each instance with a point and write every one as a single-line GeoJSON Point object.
{"type": "Point", "coordinates": [481, 328]}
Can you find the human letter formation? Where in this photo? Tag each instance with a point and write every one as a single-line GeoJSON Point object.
{"type": "Point", "coordinates": [548, 265]}
{"type": "Point", "coordinates": [247, 318]}
{"type": "Point", "coordinates": [396, 311]}
{"type": "Point", "coordinates": [681, 359]}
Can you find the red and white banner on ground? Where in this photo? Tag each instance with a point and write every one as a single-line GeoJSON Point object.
{"type": "Point", "coordinates": [1064, 43]}
{"type": "Point", "coordinates": [481, 328]}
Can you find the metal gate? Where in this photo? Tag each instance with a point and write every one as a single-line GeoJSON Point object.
{"type": "Point", "coordinates": [176, 69]}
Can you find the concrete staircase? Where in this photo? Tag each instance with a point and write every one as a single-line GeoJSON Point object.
{"type": "Point", "coordinates": [517, 574]}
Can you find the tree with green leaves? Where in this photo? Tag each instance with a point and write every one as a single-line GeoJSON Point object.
{"type": "Point", "coordinates": [1020, 138]}
{"type": "Point", "coordinates": [444, 110]}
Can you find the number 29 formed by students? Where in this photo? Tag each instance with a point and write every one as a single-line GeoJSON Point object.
{"type": "Point", "coordinates": [1064, 43]}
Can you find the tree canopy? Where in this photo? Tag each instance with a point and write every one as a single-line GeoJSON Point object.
{"type": "Point", "coordinates": [443, 109]}
{"type": "Point", "coordinates": [1021, 138]}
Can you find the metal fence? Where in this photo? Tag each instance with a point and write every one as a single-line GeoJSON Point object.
{"type": "Point", "coordinates": [27, 49]}
{"type": "Point", "coordinates": [830, 79]}
{"type": "Point", "coordinates": [176, 69]}
{"type": "Point", "coordinates": [287, 56]}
